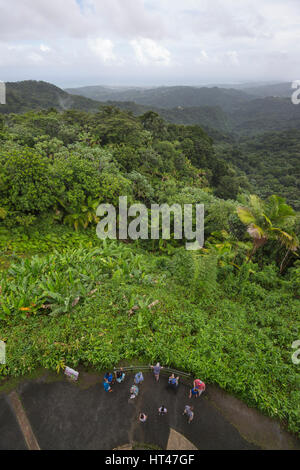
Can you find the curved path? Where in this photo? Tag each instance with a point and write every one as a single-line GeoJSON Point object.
{"type": "Point", "coordinates": [63, 415]}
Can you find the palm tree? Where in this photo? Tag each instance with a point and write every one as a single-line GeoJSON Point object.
{"type": "Point", "coordinates": [267, 220]}
{"type": "Point", "coordinates": [226, 247]}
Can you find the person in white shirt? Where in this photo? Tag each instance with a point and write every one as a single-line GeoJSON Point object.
{"type": "Point", "coordinates": [143, 417]}
{"type": "Point", "coordinates": [162, 410]}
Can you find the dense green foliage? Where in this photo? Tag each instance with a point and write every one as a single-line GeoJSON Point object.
{"type": "Point", "coordinates": [228, 313]}
{"type": "Point", "coordinates": [239, 111]}
{"type": "Point", "coordinates": [221, 111]}
{"type": "Point", "coordinates": [269, 158]}
{"type": "Point", "coordinates": [271, 162]}
{"type": "Point", "coordinates": [64, 162]}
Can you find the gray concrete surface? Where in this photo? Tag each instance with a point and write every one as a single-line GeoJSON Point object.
{"type": "Point", "coordinates": [63, 416]}
{"type": "Point", "coordinates": [11, 437]}
{"type": "Point", "coordinates": [71, 416]}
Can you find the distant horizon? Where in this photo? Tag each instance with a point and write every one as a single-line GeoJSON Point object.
{"type": "Point", "coordinates": [183, 84]}
{"type": "Point", "coordinates": [65, 85]}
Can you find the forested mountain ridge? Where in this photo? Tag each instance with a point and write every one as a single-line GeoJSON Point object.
{"type": "Point", "coordinates": [171, 97]}
{"type": "Point", "coordinates": [254, 117]}
{"type": "Point", "coordinates": [106, 93]}
{"type": "Point", "coordinates": [266, 114]}
{"type": "Point", "coordinates": [31, 95]}
{"type": "Point", "coordinates": [280, 90]}
{"type": "Point", "coordinates": [271, 167]}
{"type": "Point", "coordinates": [226, 111]}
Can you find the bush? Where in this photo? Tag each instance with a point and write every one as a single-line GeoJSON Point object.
{"type": "Point", "coordinates": [27, 183]}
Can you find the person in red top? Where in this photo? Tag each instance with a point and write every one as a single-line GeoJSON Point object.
{"type": "Point", "coordinates": [200, 386]}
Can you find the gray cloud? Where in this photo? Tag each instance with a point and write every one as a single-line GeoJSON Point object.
{"type": "Point", "coordinates": [37, 19]}
{"type": "Point", "coordinates": [158, 41]}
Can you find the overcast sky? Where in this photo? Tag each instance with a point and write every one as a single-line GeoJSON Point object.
{"type": "Point", "coordinates": [149, 42]}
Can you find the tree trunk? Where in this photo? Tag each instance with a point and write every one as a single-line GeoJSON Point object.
{"type": "Point", "coordinates": [282, 264]}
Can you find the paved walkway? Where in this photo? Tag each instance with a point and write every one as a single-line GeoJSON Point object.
{"type": "Point", "coordinates": [62, 415]}
{"type": "Point", "coordinates": [11, 437]}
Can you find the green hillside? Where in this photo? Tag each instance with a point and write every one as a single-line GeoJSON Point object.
{"type": "Point", "coordinates": [33, 95]}
{"type": "Point", "coordinates": [170, 97]}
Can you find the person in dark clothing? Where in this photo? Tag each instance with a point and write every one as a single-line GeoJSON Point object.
{"type": "Point", "coordinates": [162, 411]}
{"type": "Point", "coordinates": [120, 375]}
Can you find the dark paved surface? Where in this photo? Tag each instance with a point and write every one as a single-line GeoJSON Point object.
{"type": "Point", "coordinates": [63, 416]}
{"type": "Point", "coordinates": [11, 437]}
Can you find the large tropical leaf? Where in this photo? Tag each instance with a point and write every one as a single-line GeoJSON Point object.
{"type": "Point", "coordinates": [256, 204]}
{"type": "Point", "coordinates": [278, 211]}
{"type": "Point", "coordinates": [290, 241]}
{"type": "Point", "coordinates": [245, 215]}
{"type": "Point", "coordinates": [3, 213]}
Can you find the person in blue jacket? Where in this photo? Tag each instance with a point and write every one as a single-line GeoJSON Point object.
{"type": "Point", "coordinates": [106, 386]}
{"type": "Point", "coordinates": [139, 378]}
{"type": "Point", "coordinates": [173, 382]}
{"type": "Point", "coordinates": [109, 377]}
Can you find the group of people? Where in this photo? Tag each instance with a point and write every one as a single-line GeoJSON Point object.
{"type": "Point", "coordinates": [173, 383]}
{"type": "Point", "coordinates": [162, 411]}
{"type": "Point", "coordinates": [119, 376]}
{"type": "Point", "coordinates": [134, 390]}
{"type": "Point", "coordinates": [110, 379]}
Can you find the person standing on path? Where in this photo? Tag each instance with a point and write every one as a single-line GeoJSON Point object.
{"type": "Point", "coordinates": [188, 410]}
{"type": "Point", "coordinates": [139, 378]}
{"type": "Point", "coordinates": [109, 377]}
{"type": "Point", "coordinates": [120, 375]}
{"type": "Point", "coordinates": [106, 386]}
{"type": "Point", "coordinates": [200, 386]}
{"type": "Point", "coordinates": [194, 392]}
{"type": "Point", "coordinates": [173, 383]}
{"type": "Point", "coordinates": [162, 411]}
{"type": "Point", "coordinates": [156, 370]}
{"type": "Point", "coordinates": [143, 417]}
{"type": "Point", "coordinates": [134, 391]}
